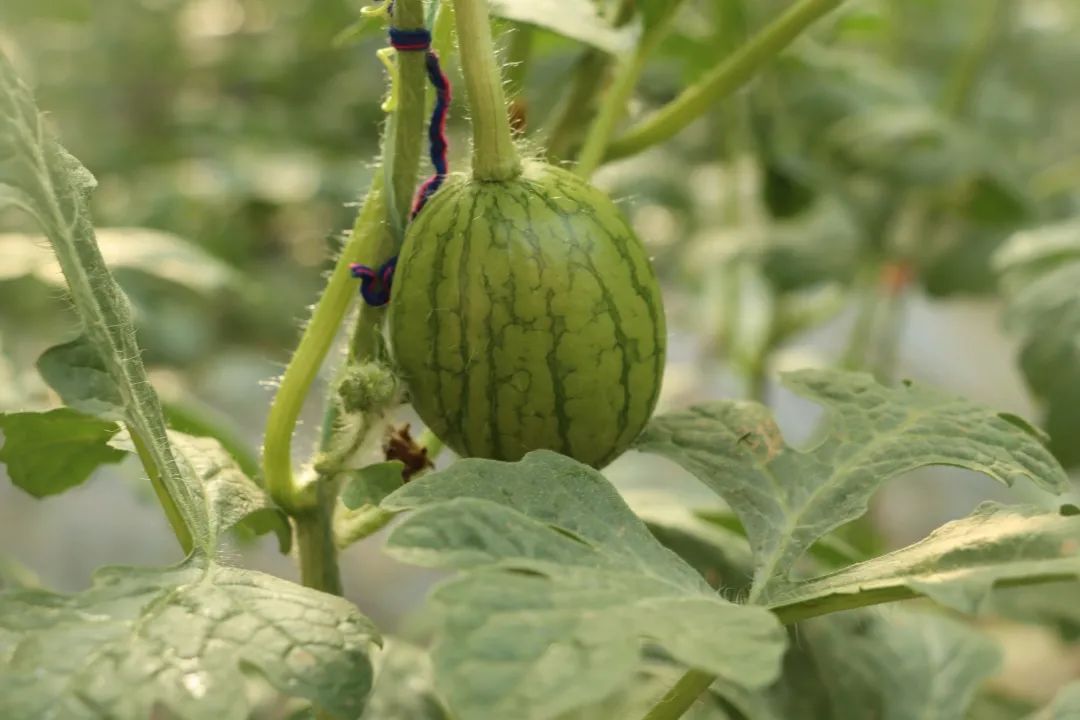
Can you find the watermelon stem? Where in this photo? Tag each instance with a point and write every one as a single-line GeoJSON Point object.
{"type": "Point", "coordinates": [613, 109]}
{"type": "Point", "coordinates": [495, 158]}
{"type": "Point", "coordinates": [731, 74]}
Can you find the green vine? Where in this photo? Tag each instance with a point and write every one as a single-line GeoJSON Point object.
{"type": "Point", "coordinates": [727, 77]}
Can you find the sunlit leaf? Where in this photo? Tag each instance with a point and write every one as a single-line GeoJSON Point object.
{"type": "Point", "coordinates": [958, 565]}
{"type": "Point", "coordinates": [153, 253]}
{"type": "Point", "coordinates": [560, 583]}
{"type": "Point", "coordinates": [576, 19]}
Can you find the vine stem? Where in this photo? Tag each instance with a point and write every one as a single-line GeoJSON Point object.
{"type": "Point", "coordinates": [618, 96]}
{"type": "Point", "coordinates": [727, 77]}
{"type": "Point", "coordinates": [495, 158]}
{"type": "Point", "coordinates": [681, 696]}
{"type": "Point", "coordinates": [365, 241]}
{"type": "Point", "coordinates": [375, 237]}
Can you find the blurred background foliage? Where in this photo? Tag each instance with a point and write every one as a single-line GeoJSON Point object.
{"type": "Point", "coordinates": [897, 194]}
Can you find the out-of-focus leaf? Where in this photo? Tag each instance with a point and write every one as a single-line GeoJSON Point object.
{"type": "Point", "coordinates": [1066, 706]}
{"type": "Point", "coordinates": [639, 695]}
{"type": "Point", "coordinates": [1040, 271]}
{"type": "Point", "coordinates": [1055, 607]}
{"type": "Point", "coordinates": [142, 642]}
{"type": "Point", "coordinates": [576, 19]}
{"type": "Point", "coordinates": [404, 685]}
{"type": "Point", "coordinates": [958, 565]}
{"type": "Point", "coordinates": [153, 253]}
{"type": "Point", "coordinates": [787, 498]}
{"type": "Point", "coordinates": [370, 485]}
{"type": "Point", "coordinates": [233, 499]}
{"type": "Point", "coordinates": [48, 453]}
{"type": "Point", "coordinates": [560, 582]}
{"type": "Point", "coordinates": [894, 666]}
{"type": "Point", "coordinates": [964, 267]}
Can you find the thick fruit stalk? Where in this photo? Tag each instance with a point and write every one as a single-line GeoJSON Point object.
{"type": "Point", "coordinates": [525, 312]}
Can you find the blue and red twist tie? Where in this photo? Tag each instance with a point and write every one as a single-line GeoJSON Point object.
{"type": "Point", "coordinates": [375, 284]}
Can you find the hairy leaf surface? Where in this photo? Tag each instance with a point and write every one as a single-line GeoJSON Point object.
{"type": "Point", "coordinates": [560, 585]}
{"type": "Point", "coordinates": [180, 638]}
{"type": "Point", "coordinates": [788, 498]}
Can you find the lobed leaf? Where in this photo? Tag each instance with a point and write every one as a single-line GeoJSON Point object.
{"type": "Point", "coordinates": [561, 584]}
{"type": "Point", "coordinates": [787, 499]}
{"type": "Point", "coordinates": [179, 641]}
{"type": "Point", "coordinates": [48, 453]}
{"type": "Point", "coordinates": [958, 565]}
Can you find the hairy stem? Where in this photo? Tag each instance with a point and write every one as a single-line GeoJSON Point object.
{"type": "Point", "coordinates": [366, 244]}
{"type": "Point", "coordinates": [960, 87]}
{"type": "Point", "coordinates": [618, 95]}
{"type": "Point", "coordinates": [494, 156]}
{"type": "Point", "coordinates": [54, 188]}
{"type": "Point", "coordinates": [405, 127]}
{"type": "Point", "coordinates": [380, 227]}
{"type": "Point", "coordinates": [590, 74]}
{"type": "Point", "coordinates": [727, 77]}
{"type": "Point", "coordinates": [315, 545]}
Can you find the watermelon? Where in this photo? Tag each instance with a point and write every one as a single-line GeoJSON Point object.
{"type": "Point", "coordinates": [526, 315]}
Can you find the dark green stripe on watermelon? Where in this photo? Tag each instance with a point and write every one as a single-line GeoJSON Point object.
{"type": "Point", "coordinates": [526, 315]}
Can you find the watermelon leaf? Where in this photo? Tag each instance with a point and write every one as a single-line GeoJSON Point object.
{"type": "Point", "coordinates": [178, 642]}
{"type": "Point", "coordinates": [50, 452]}
{"type": "Point", "coordinates": [1040, 270]}
{"type": "Point", "coordinates": [233, 499]}
{"type": "Point", "coordinates": [560, 583]}
{"type": "Point", "coordinates": [77, 373]}
{"type": "Point", "coordinates": [899, 666]}
{"type": "Point", "coordinates": [1065, 706]}
{"type": "Point", "coordinates": [787, 499]}
{"type": "Point", "coordinates": [372, 484]}
{"type": "Point", "coordinates": [575, 19]}
{"type": "Point", "coordinates": [958, 565]}
{"type": "Point", "coordinates": [405, 686]}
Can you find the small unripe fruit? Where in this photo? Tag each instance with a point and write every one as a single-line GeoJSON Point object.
{"type": "Point", "coordinates": [525, 315]}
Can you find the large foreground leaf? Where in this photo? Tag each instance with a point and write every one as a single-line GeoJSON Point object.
{"type": "Point", "coordinates": [787, 498]}
{"type": "Point", "coordinates": [561, 584]}
{"type": "Point", "coordinates": [143, 640]}
{"type": "Point", "coordinates": [957, 565]}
